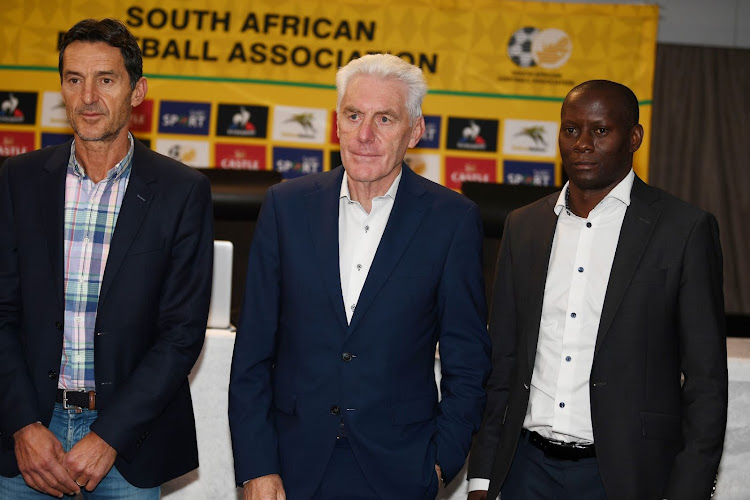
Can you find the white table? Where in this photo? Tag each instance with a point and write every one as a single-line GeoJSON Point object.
{"type": "Point", "coordinates": [215, 477]}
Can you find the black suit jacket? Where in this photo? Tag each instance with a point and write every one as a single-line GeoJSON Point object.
{"type": "Point", "coordinates": [151, 315]}
{"type": "Point", "coordinates": [663, 316]}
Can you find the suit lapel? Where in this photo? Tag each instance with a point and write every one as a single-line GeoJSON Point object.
{"type": "Point", "coordinates": [406, 215]}
{"type": "Point", "coordinates": [637, 227]}
{"type": "Point", "coordinates": [52, 195]}
{"type": "Point", "coordinates": [134, 206]}
{"type": "Point", "coordinates": [322, 208]}
{"type": "Point", "coordinates": [538, 248]}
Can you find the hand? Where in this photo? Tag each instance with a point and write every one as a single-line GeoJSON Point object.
{"type": "Point", "coordinates": [89, 460]}
{"type": "Point", "coordinates": [267, 487]}
{"type": "Point", "coordinates": [477, 495]}
{"type": "Point", "coordinates": [40, 454]}
{"type": "Point", "coordinates": [439, 472]}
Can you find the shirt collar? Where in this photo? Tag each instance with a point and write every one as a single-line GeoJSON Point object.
{"type": "Point", "coordinates": [620, 192]}
{"type": "Point", "coordinates": [121, 169]}
{"type": "Point", "coordinates": [344, 193]}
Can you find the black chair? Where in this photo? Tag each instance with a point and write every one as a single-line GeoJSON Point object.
{"type": "Point", "coordinates": [236, 197]}
{"type": "Point", "coordinates": [495, 202]}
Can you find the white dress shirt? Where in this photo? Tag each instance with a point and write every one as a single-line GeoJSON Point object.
{"type": "Point", "coordinates": [359, 237]}
{"type": "Point", "coordinates": [578, 273]}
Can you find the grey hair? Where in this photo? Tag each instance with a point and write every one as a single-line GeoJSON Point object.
{"type": "Point", "coordinates": [386, 66]}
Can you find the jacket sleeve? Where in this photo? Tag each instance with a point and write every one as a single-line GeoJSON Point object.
{"type": "Point", "coordinates": [463, 343]}
{"type": "Point", "coordinates": [502, 329]}
{"type": "Point", "coordinates": [18, 389]}
{"type": "Point", "coordinates": [703, 355]}
{"type": "Point", "coordinates": [254, 439]}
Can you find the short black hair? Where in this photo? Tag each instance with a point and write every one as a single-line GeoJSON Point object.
{"type": "Point", "coordinates": [626, 96]}
{"type": "Point", "coordinates": [113, 33]}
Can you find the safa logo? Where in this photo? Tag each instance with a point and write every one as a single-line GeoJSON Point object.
{"type": "Point", "coordinates": [177, 117]}
{"type": "Point", "coordinates": [549, 49]}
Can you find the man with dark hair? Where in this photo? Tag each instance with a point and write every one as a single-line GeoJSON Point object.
{"type": "Point", "coordinates": [105, 275]}
{"type": "Point", "coordinates": [609, 372]}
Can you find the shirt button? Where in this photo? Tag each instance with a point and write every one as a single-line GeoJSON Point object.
{"type": "Point", "coordinates": [562, 405]}
{"type": "Point", "coordinates": [58, 325]}
{"type": "Point", "coordinates": [52, 375]}
{"type": "Point", "coordinates": [86, 240]}
{"type": "Point", "coordinates": [580, 269]}
{"type": "Point", "coordinates": [572, 315]}
{"type": "Point", "coordinates": [588, 224]}
{"type": "Point", "coordinates": [359, 267]}
{"type": "Point", "coordinates": [568, 358]}
{"type": "Point", "coordinates": [353, 306]}
{"type": "Point", "coordinates": [335, 410]}
{"type": "Point", "coordinates": [347, 356]}
{"type": "Point", "coordinates": [367, 228]}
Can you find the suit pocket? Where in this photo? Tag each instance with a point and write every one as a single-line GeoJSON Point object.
{"type": "Point", "coordinates": [411, 412]}
{"type": "Point", "coordinates": [661, 426]}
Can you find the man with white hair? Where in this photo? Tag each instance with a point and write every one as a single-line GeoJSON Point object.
{"type": "Point", "coordinates": [354, 276]}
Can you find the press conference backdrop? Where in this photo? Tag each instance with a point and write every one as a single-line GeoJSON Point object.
{"type": "Point", "coordinates": [251, 85]}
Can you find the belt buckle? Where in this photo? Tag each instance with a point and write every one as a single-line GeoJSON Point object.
{"type": "Point", "coordinates": [65, 400]}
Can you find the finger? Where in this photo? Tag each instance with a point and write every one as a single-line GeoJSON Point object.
{"type": "Point", "coordinates": [39, 483]}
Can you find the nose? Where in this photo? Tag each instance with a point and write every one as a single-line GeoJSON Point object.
{"type": "Point", "coordinates": [365, 133]}
{"type": "Point", "coordinates": [583, 143]}
{"type": "Point", "coordinates": [89, 92]}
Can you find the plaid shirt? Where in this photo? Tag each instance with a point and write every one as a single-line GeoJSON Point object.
{"type": "Point", "coordinates": [90, 216]}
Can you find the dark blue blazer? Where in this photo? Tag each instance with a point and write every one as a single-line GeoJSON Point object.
{"type": "Point", "coordinates": [292, 377]}
{"type": "Point", "coordinates": [151, 316]}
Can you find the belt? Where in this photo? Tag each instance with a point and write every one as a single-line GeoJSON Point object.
{"type": "Point", "coordinates": [558, 449]}
{"type": "Point", "coordinates": [76, 398]}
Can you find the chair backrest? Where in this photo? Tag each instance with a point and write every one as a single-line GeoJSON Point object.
{"type": "Point", "coordinates": [496, 201]}
{"type": "Point", "coordinates": [221, 287]}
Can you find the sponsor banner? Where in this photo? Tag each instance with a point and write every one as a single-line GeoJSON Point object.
{"type": "Point", "coordinates": [472, 134]}
{"type": "Point", "coordinates": [295, 124]}
{"type": "Point", "coordinates": [18, 108]}
{"type": "Point", "coordinates": [53, 111]}
{"type": "Point", "coordinates": [53, 139]}
{"type": "Point", "coordinates": [530, 138]}
{"type": "Point", "coordinates": [508, 47]}
{"type": "Point", "coordinates": [240, 157]}
{"type": "Point", "coordinates": [16, 143]}
{"type": "Point", "coordinates": [489, 65]}
{"type": "Point", "coordinates": [176, 117]}
{"type": "Point", "coordinates": [192, 153]}
{"type": "Point", "coordinates": [295, 162]}
{"type": "Point", "coordinates": [426, 165]}
{"type": "Point", "coordinates": [242, 120]}
{"type": "Point", "coordinates": [459, 170]}
{"type": "Point", "coordinates": [431, 137]}
{"type": "Point", "coordinates": [529, 172]}
{"type": "Point", "coordinates": [142, 116]}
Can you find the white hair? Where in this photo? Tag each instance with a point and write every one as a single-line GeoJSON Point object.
{"type": "Point", "coordinates": [386, 66]}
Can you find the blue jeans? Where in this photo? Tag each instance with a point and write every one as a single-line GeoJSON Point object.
{"type": "Point", "coordinates": [70, 427]}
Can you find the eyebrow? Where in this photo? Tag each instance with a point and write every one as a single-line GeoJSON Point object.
{"type": "Point", "coordinates": [387, 111]}
{"type": "Point", "coordinates": [109, 72]}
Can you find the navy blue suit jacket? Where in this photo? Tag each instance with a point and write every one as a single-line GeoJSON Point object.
{"type": "Point", "coordinates": [291, 383]}
{"type": "Point", "coordinates": [151, 315]}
